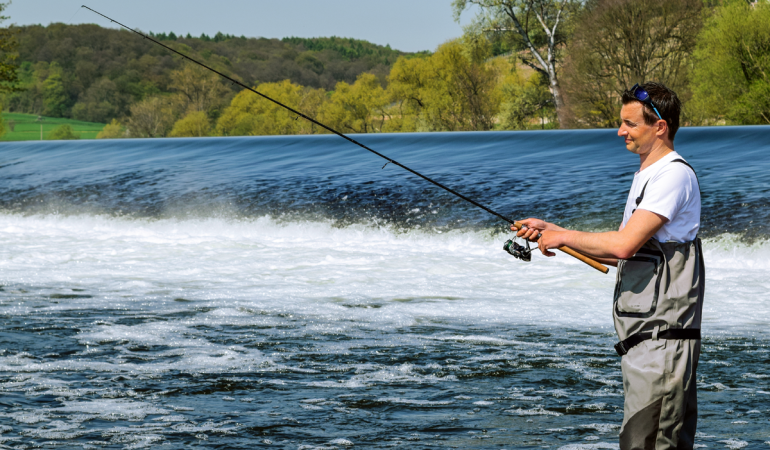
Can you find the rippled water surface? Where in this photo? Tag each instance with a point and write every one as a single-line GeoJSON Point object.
{"type": "Point", "coordinates": [287, 292]}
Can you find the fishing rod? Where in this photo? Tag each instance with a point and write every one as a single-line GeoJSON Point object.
{"type": "Point", "coordinates": [518, 251]}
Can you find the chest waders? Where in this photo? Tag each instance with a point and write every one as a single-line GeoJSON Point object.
{"type": "Point", "coordinates": [657, 311]}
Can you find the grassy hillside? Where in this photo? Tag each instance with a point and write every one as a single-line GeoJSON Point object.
{"type": "Point", "coordinates": [27, 128]}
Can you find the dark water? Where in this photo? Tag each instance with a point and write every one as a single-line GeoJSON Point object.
{"type": "Point", "coordinates": [287, 292]}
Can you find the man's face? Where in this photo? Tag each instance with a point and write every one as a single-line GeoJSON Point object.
{"type": "Point", "coordinates": [639, 136]}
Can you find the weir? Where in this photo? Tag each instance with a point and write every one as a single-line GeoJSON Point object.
{"type": "Point", "coordinates": [241, 289]}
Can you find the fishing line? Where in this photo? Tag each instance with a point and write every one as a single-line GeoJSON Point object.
{"type": "Point", "coordinates": [73, 16]}
{"type": "Point", "coordinates": [299, 114]}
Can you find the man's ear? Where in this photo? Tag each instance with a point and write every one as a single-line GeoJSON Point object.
{"type": "Point", "coordinates": [662, 129]}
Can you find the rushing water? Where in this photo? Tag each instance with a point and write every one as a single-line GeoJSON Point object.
{"type": "Point", "coordinates": [287, 292]}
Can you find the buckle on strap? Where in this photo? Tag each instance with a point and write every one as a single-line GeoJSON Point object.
{"type": "Point", "coordinates": [623, 347]}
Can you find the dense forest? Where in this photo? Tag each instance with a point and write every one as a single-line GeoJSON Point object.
{"type": "Point", "coordinates": [92, 73]}
{"type": "Point", "coordinates": [518, 65]}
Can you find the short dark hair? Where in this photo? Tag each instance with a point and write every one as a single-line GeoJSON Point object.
{"type": "Point", "coordinates": [664, 99]}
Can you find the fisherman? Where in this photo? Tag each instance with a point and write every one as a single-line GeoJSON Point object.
{"type": "Point", "coordinates": [660, 278]}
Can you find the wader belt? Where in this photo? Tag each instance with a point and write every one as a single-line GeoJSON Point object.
{"type": "Point", "coordinates": [623, 347]}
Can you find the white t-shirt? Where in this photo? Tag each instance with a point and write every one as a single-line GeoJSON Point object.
{"type": "Point", "coordinates": [672, 192]}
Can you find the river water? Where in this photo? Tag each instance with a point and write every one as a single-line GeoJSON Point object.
{"type": "Point", "coordinates": [289, 292]}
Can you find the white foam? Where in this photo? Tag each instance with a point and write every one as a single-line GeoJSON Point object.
{"type": "Point", "coordinates": [538, 411]}
{"type": "Point", "coordinates": [242, 266]}
{"type": "Point", "coordinates": [171, 418]}
{"type": "Point", "coordinates": [602, 427]}
{"type": "Point", "coordinates": [755, 375]}
{"type": "Point", "coordinates": [489, 340]}
{"type": "Point", "coordinates": [27, 418]}
{"type": "Point", "coordinates": [406, 401]}
{"type": "Point", "coordinates": [142, 436]}
{"type": "Point", "coordinates": [355, 281]}
{"type": "Point", "coordinates": [207, 427]}
{"type": "Point", "coordinates": [734, 444]}
{"type": "Point", "coordinates": [57, 430]}
{"type": "Point", "coordinates": [112, 409]}
{"type": "Point", "coordinates": [599, 445]}
{"type": "Point", "coordinates": [311, 407]}
{"type": "Point", "coordinates": [736, 282]}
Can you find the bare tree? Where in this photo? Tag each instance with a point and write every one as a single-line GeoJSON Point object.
{"type": "Point", "coordinates": [535, 27]}
{"type": "Point", "coordinates": [152, 117]}
{"type": "Point", "coordinates": [617, 43]}
{"type": "Point", "coordinates": [199, 89]}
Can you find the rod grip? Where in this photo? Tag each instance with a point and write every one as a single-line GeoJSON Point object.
{"type": "Point", "coordinates": [586, 259]}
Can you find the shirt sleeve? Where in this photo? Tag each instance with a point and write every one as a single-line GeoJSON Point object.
{"type": "Point", "coordinates": [668, 191]}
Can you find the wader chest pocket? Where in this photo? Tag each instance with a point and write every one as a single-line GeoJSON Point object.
{"type": "Point", "coordinates": [637, 286]}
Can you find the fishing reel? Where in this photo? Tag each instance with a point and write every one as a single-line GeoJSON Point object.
{"type": "Point", "coordinates": [517, 250]}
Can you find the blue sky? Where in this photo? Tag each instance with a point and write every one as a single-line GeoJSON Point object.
{"type": "Point", "coordinates": [408, 25]}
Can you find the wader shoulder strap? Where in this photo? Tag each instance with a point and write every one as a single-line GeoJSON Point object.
{"type": "Point", "coordinates": [679, 160]}
{"type": "Point", "coordinates": [623, 347]}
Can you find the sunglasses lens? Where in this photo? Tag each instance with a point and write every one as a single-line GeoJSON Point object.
{"type": "Point", "coordinates": [642, 95]}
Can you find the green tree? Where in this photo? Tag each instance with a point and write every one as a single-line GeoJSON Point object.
{"type": "Point", "coordinates": [526, 103]}
{"type": "Point", "coordinates": [63, 132]}
{"type": "Point", "coordinates": [252, 115]}
{"type": "Point", "coordinates": [2, 124]}
{"type": "Point", "coordinates": [533, 29]}
{"type": "Point", "coordinates": [9, 45]}
{"type": "Point", "coordinates": [357, 108]}
{"type": "Point", "coordinates": [619, 43]}
{"type": "Point", "coordinates": [454, 89]}
{"type": "Point", "coordinates": [194, 124]}
{"type": "Point", "coordinates": [731, 79]}
{"type": "Point", "coordinates": [54, 94]}
{"type": "Point", "coordinates": [98, 102]}
{"type": "Point", "coordinates": [112, 130]}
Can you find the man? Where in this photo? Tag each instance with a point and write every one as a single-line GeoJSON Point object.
{"type": "Point", "coordinates": [660, 284]}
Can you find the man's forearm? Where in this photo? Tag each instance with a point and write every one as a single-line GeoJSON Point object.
{"type": "Point", "coordinates": [610, 261]}
{"type": "Point", "coordinates": [610, 245]}
{"type": "Point", "coordinates": [621, 244]}
{"type": "Point", "coordinates": [553, 227]}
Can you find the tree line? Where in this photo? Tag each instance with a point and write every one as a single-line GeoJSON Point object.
{"type": "Point", "coordinates": [96, 74]}
{"type": "Point", "coordinates": [520, 64]}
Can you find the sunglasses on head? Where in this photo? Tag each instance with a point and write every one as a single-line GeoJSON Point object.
{"type": "Point", "coordinates": [642, 95]}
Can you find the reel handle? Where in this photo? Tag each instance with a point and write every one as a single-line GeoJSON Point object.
{"type": "Point", "coordinates": [586, 259]}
